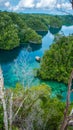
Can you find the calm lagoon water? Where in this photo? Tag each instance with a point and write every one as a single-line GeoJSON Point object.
{"type": "Point", "coordinates": [19, 65]}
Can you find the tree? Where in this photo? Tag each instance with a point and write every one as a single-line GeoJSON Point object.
{"type": "Point", "coordinates": [9, 33]}
{"type": "Point", "coordinates": [14, 31]}
{"type": "Point", "coordinates": [38, 110]}
{"type": "Point", "coordinates": [57, 62]}
{"type": "Point", "coordinates": [29, 109]}
{"type": "Point", "coordinates": [9, 37]}
{"type": "Point", "coordinates": [67, 119]}
{"type": "Point", "coordinates": [23, 70]}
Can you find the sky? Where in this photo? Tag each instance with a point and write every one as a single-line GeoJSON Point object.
{"type": "Point", "coordinates": [36, 6]}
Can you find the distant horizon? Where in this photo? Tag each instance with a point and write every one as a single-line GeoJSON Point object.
{"type": "Point", "coordinates": [43, 11]}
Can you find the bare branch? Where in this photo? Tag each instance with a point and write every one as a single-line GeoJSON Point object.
{"type": "Point", "coordinates": [19, 108]}
{"type": "Point", "coordinates": [65, 121]}
{"type": "Point", "coordinates": [11, 112]}
{"type": "Point", "coordinates": [3, 100]}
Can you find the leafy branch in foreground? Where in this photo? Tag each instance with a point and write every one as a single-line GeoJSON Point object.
{"type": "Point", "coordinates": [32, 108]}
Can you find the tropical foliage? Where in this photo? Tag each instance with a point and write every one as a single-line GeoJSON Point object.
{"type": "Point", "coordinates": [16, 29]}
{"type": "Point", "coordinates": [57, 62]}
{"type": "Point", "coordinates": [38, 109]}
{"type": "Point", "coordinates": [8, 33]}
{"type": "Point", "coordinates": [56, 22]}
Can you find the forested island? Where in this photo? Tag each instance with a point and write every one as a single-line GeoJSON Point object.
{"type": "Point", "coordinates": [57, 62]}
{"type": "Point", "coordinates": [14, 31]}
{"type": "Point", "coordinates": [17, 29]}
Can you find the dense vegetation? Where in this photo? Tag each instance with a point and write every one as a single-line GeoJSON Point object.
{"type": "Point", "coordinates": [67, 20]}
{"type": "Point", "coordinates": [24, 28]}
{"type": "Point", "coordinates": [39, 111]}
{"type": "Point", "coordinates": [37, 22]}
{"type": "Point", "coordinates": [14, 31]}
{"type": "Point", "coordinates": [56, 22]}
{"type": "Point", "coordinates": [8, 32]}
{"type": "Point", "coordinates": [57, 62]}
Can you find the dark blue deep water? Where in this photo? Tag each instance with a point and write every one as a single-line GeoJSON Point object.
{"type": "Point", "coordinates": [19, 65]}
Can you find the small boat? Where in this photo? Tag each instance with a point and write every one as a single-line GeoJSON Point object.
{"type": "Point", "coordinates": [37, 58]}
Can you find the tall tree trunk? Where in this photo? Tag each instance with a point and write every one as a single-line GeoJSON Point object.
{"type": "Point", "coordinates": [2, 96]}
{"type": "Point", "coordinates": [5, 113]}
{"type": "Point", "coordinates": [11, 112]}
{"type": "Point", "coordinates": [65, 120]}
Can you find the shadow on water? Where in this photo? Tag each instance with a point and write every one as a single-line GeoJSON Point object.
{"type": "Point", "coordinates": [9, 56]}
{"type": "Point", "coordinates": [34, 47]}
{"type": "Point", "coordinates": [54, 30]}
{"type": "Point", "coordinates": [42, 33]}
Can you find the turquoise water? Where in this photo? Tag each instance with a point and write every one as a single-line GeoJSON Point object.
{"type": "Point", "coordinates": [19, 64]}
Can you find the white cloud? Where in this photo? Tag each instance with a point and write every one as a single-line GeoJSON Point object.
{"type": "Point", "coordinates": [37, 4]}
{"type": "Point", "coordinates": [7, 4]}
{"type": "Point", "coordinates": [24, 4]}
{"type": "Point", "coordinates": [46, 4]}
{"type": "Point", "coordinates": [34, 4]}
